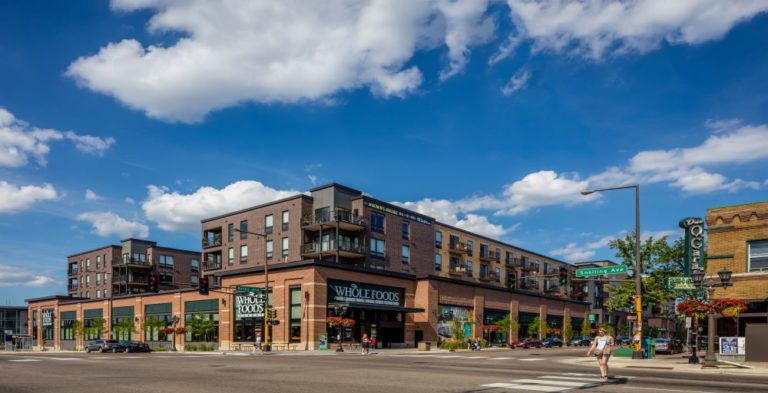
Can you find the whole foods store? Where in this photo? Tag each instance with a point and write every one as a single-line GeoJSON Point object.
{"type": "Point", "coordinates": [310, 297]}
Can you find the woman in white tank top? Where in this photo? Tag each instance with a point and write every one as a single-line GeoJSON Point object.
{"type": "Point", "coordinates": [601, 347]}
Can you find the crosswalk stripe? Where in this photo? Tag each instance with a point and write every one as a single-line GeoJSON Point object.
{"type": "Point", "coordinates": [538, 388]}
{"type": "Point", "coordinates": [569, 378]}
{"type": "Point", "coordinates": [531, 359]}
{"type": "Point", "coordinates": [551, 382]}
{"type": "Point", "coordinates": [24, 360]}
{"type": "Point", "coordinates": [501, 358]}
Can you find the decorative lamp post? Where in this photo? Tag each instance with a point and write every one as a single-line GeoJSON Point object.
{"type": "Point", "coordinates": [710, 360]}
{"type": "Point", "coordinates": [340, 310]}
{"type": "Point", "coordinates": [637, 353]}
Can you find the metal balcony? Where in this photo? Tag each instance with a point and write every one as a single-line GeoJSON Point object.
{"type": "Point", "coordinates": [345, 249]}
{"type": "Point", "coordinates": [458, 248]}
{"type": "Point", "coordinates": [457, 270]}
{"type": "Point", "coordinates": [342, 218]}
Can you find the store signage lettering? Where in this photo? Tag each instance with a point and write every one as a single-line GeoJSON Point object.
{"type": "Point", "coordinates": [694, 242]}
{"type": "Point", "coordinates": [344, 291]}
{"type": "Point", "coordinates": [247, 306]}
{"type": "Point", "coordinates": [402, 213]}
{"type": "Point", "coordinates": [47, 317]}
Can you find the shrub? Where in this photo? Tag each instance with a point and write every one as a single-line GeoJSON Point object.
{"type": "Point", "coordinates": [159, 349]}
{"type": "Point", "coordinates": [190, 347]}
{"type": "Point", "coordinates": [453, 345]}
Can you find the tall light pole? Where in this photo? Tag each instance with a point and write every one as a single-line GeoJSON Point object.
{"type": "Point", "coordinates": [267, 347]}
{"type": "Point", "coordinates": [637, 353]}
{"type": "Point", "coordinates": [710, 360]}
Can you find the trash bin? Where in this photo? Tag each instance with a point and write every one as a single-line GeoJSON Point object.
{"type": "Point", "coordinates": [425, 346]}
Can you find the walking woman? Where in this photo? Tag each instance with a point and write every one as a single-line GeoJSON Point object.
{"type": "Point", "coordinates": [602, 350]}
{"type": "Point", "coordinates": [365, 344]}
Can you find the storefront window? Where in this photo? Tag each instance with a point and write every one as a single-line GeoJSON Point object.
{"type": "Point", "coordinates": [202, 320]}
{"type": "Point", "coordinates": [249, 319]}
{"type": "Point", "coordinates": [48, 326]}
{"type": "Point", "coordinates": [93, 324]}
{"type": "Point", "coordinates": [122, 323]}
{"type": "Point", "coordinates": [67, 331]}
{"type": "Point", "coordinates": [490, 329]}
{"type": "Point", "coordinates": [156, 318]}
{"type": "Point", "coordinates": [34, 325]}
{"type": "Point", "coordinates": [295, 317]}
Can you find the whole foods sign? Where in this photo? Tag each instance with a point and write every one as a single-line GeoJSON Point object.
{"type": "Point", "coordinates": [249, 305]}
{"type": "Point", "coordinates": [346, 291]}
{"type": "Point", "coordinates": [47, 317]}
{"type": "Point", "coordinates": [694, 242]}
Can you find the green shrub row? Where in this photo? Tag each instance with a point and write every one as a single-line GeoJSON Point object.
{"type": "Point", "coordinates": [199, 347]}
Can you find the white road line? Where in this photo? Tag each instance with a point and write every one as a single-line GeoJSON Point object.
{"type": "Point", "coordinates": [193, 356]}
{"type": "Point", "coordinates": [531, 359]}
{"type": "Point", "coordinates": [24, 360]}
{"type": "Point", "coordinates": [452, 356]}
{"type": "Point", "coordinates": [585, 379]}
{"type": "Point", "coordinates": [65, 359]}
{"type": "Point", "coordinates": [551, 382]}
{"type": "Point", "coordinates": [134, 357]}
{"type": "Point", "coordinates": [539, 388]}
{"type": "Point", "coordinates": [501, 358]}
{"type": "Point", "coordinates": [478, 357]}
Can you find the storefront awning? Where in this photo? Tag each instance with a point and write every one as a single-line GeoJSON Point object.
{"type": "Point", "coordinates": [381, 307]}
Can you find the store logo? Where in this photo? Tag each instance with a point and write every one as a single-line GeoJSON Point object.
{"type": "Point", "coordinates": [694, 241]}
{"type": "Point", "coordinates": [249, 306]}
{"type": "Point", "coordinates": [353, 292]}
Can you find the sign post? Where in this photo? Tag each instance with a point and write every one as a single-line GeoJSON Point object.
{"type": "Point", "coordinates": [599, 271]}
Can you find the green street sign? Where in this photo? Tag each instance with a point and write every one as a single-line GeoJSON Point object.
{"type": "Point", "coordinates": [680, 283]}
{"type": "Point", "coordinates": [246, 290]}
{"type": "Point", "coordinates": [592, 317]}
{"type": "Point", "coordinates": [599, 271]}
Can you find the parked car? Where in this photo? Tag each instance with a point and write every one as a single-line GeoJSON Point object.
{"type": "Point", "coordinates": [104, 346]}
{"type": "Point", "coordinates": [667, 345]}
{"type": "Point", "coordinates": [135, 346]}
{"type": "Point", "coordinates": [622, 340]}
{"type": "Point", "coordinates": [527, 343]}
{"type": "Point", "coordinates": [552, 342]}
{"type": "Point", "coordinates": [581, 341]}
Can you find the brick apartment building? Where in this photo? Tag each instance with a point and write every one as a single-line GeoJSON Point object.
{"type": "Point", "coordinates": [402, 276]}
{"type": "Point", "coordinates": [738, 241]}
{"type": "Point", "coordinates": [117, 270]}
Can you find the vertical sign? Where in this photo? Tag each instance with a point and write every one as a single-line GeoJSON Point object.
{"type": "Point", "coordinates": [47, 317]}
{"type": "Point", "coordinates": [694, 241]}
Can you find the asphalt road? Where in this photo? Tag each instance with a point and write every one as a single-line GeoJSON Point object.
{"type": "Point", "coordinates": [487, 371]}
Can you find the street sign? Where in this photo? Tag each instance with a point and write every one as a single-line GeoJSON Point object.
{"type": "Point", "coordinates": [680, 283]}
{"type": "Point", "coordinates": [631, 317]}
{"type": "Point", "coordinates": [248, 290]}
{"type": "Point", "coordinates": [599, 271]}
{"type": "Point", "coordinates": [592, 317]}
{"type": "Point", "coordinates": [688, 322]}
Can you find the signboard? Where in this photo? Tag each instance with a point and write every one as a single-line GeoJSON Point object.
{"type": "Point", "coordinates": [249, 303]}
{"type": "Point", "coordinates": [688, 322]}
{"type": "Point", "coordinates": [599, 271]}
{"type": "Point", "coordinates": [399, 212]}
{"type": "Point", "coordinates": [732, 346]}
{"type": "Point", "coordinates": [694, 241]}
{"type": "Point", "coordinates": [323, 341]}
{"type": "Point", "coordinates": [631, 317]}
{"type": "Point", "coordinates": [346, 291]}
{"type": "Point", "coordinates": [592, 317]}
{"type": "Point", "coordinates": [47, 317]}
{"type": "Point", "coordinates": [680, 283]}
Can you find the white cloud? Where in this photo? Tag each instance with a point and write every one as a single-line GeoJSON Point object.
{"type": "Point", "coordinates": [466, 25]}
{"type": "Point", "coordinates": [518, 81]}
{"type": "Point", "coordinates": [14, 198]}
{"type": "Point", "coordinates": [573, 252]}
{"type": "Point", "coordinates": [543, 188]}
{"type": "Point", "coordinates": [720, 125]}
{"type": "Point", "coordinates": [129, 200]}
{"type": "Point", "coordinates": [595, 29]}
{"type": "Point", "coordinates": [312, 179]}
{"type": "Point", "coordinates": [457, 214]}
{"type": "Point", "coordinates": [12, 276]}
{"type": "Point", "coordinates": [173, 211]}
{"type": "Point", "coordinates": [108, 224]}
{"type": "Point", "coordinates": [19, 141]}
{"type": "Point", "coordinates": [90, 195]}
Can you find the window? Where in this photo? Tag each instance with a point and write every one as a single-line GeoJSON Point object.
{"type": "Point", "coordinates": [406, 230]}
{"type": "Point", "coordinates": [269, 222]}
{"type": "Point", "coordinates": [243, 254]}
{"type": "Point", "coordinates": [484, 251]}
{"type": "Point", "coordinates": [497, 272]}
{"type": "Point", "coordinates": [243, 229]}
{"type": "Point", "coordinates": [166, 261]}
{"type": "Point", "coordinates": [88, 280]}
{"type": "Point", "coordinates": [195, 280]}
{"type": "Point", "coordinates": [377, 248]}
{"type": "Point", "coordinates": [270, 249]}
{"type": "Point", "coordinates": [105, 277]}
{"type": "Point", "coordinates": [286, 219]}
{"type": "Point", "coordinates": [285, 247]}
{"type": "Point", "coordinates": [377, 222]}
{"type": "Point", "coordinates": [406, 255]}
{"type": "Point", "coordinates": [231, 256]}
{"type": "Point", "coordinates": [546, 284]}
{"type": "Point", "coordinates": [98, 262]}
{"type": "Point", "coordinates": [483, 270]}
{"type": "Point", "coordinates": [454, 241]}
{"type": "Point", "coordinates": [98, 279]}
{"type": "Point", "coordinates": [438, 262]}
{"type": "Point", "coordinates": [87, 264]}
{"type": "Point", "coordinates": [295, 317]}
{"type": "Point", "coordinates": [469, 268]}
{"type": "Point", "coordinates": [470, 247]}
{"type": "Point", "coordinates": [757, 255]}
{"type": "Point", "coordinates": [195, 265]}
{"type": "Point", "coordinates": [509, 257]}
{"type": "Point", "coordinates": [106, 293]}
{"type": "Point", "coordinates": [438, 239]}
{"type": "Point", "coordinates": [497, 255]}
{"type": "Point", "coordinates": [546, 268]}
{"type": "Point", "coordinates": [231, 232]}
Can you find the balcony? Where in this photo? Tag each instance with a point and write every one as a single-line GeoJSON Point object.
{"type": "Point", "coordinates": [553, 289]}
{"type": "Point", "coordinates": [484, 276]}
{"type": "Point", "coordinates": [211, 263]}
{"type": "Point", "coordinates": [457, 270]}
{"type": "Point", "coordinates": [488, 257]}
{"type": "Point", "coordinates": [345, 249]}
{"type": "Point", "coordinates": [511, 262]}
{"type": "Point", "coordinates": [212, 238]}
{"type": "Point", "coordinates": [72, 287]}
{"type": "Point", "coordinates": [342, 218]}
{"type": "Point", "coordinates": [457, 248]}
{"type": "Point", "coordinates": [132, 262]}
{"type": "Point", "coordinates": [130, 280]}
{"type": "Point", "coordinates": [72, 272]}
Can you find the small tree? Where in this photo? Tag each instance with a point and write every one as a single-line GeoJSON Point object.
{"type": "Point", "coordinates": [457, 330]}
{"type": "Point", "coordinates": [537, 328]}
{"type": "Point", "coordinates": [586, 329]}
{"type": "Point", "coordinates": [78, 330]}
{"type": "Point", "coordinates": [567, 330]}
{"type": "Point", "coordinates": [201, 326]}
{"type": "Point", "coordinates": [96, 328]}
{"type": "Point", "coordinates": [507, 325]}
{"type": "Point", "coordinates": [608, 328]}
{"type": "Point", "coordinates": [124, 328]}
{"type": "Point", "coordinates": [152, 325]}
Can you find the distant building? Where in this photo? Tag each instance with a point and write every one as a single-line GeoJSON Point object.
{"type": "Point", "coordinates": [596, 290]}
{"type": "Point", "coordinates": [13, 320]}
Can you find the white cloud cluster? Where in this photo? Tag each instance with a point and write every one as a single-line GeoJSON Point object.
{"type": "Point", "coordinates": [518, 81]}
{"type": "Point", "coordinates": [458, 214]}
{"type": "Point", "coordinates": [573, 252]}
{"type": "Point", "coordinates": [173, 211]}
{"type": "Point", "coordinates": [109, 224]}
{"type": "Point", "coordinates": [15, 198]}
{"type": "Point", "coordinates": [91, 195]}
{"type": "Point", "coordinates": [294, 51]}
{"type": "Point", "coordinates": [11, 276]}
{"type": "Point", "coordinates": [684, 167]}
{"type": "Point", "coordinates": [19, 141]}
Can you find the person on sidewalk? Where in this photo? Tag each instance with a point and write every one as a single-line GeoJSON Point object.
{"type": "Point", "coordinates": [365, 344]}
{"type": "Point", "coordinates": [373, 342]}
{"type": "Point", "coordinates": [601, 347]}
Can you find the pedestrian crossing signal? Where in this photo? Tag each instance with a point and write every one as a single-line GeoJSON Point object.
{"type": "Point", "coordinates": [202, 286]}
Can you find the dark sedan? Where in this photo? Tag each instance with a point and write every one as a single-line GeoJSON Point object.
{"type": "Point", "coordinates": [552, 342]}
{"type": "Point", "coordinates": [527, 343]}
{"type": "Point", "coordinates": [135, 346]}
{"type": "Point", "coordinates": [104, 346]}
{"type": "Point", "coordinates": [581, 341]}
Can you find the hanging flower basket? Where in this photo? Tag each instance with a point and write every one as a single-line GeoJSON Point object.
{"type": "Point", "coordinates": [730, 312]}
{"type": "Point", "coordinates": [167, 331]}
{"type": "Point", "coordinates": [694, 308]}
{"type": "Point", "coordinates": [339, 321]}
{"type": "Point", "coordinates": [181, 330]}
{"type": "Point", "coordinates": [729, 307]}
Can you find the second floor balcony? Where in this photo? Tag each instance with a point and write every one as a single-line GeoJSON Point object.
{"type": "Point", "coordinates": [456, 270]}
{"type": "Point", "coordinates": [457, 247]}
{"type": "Point", "coordinates": [343, 218]}
{"type": "Point", "coordinates": [212, 263]}
{"type": "Point", "coordinates": [345, 249]}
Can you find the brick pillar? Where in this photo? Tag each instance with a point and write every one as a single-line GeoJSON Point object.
{"type": "Point", "coordinates": [426, 298]}
{"type": "Point", "coordinates": [514, 313]}
{"type": "Point", "coordinates": [543, 317]}
{"type": "Point", "coordinates": [479, 310]}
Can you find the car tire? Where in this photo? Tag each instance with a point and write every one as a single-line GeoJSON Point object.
{"type": "Point", "coordinates": [101, 350]}
{"type": "Point", "coordinates": [87, 350]}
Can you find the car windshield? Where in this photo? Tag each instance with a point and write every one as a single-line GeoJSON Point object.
{"type": "Point", "coordinates": [111, 341]}
{"type": "Point", "coordinates": [660, 340]}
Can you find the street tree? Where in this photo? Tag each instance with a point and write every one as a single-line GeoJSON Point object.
{"type": "Point", "coordinates": [508, 325]}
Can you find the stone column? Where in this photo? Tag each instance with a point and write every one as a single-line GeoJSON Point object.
{"type": "Point", "coordinates": [543, 318]}
{"type": "Point", "coordinates": [479, 310]}
{"type": "Point", "coordinates": [514, 313]}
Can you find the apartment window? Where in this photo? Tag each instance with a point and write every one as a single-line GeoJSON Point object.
{"type": "Point", "coordinates": [438, 239]}
{"type": "Point", "coordinates": [546, 284]}
{"type": "Point", "coordinates": [105, 278]}
{"type": "Point", "coordinates": [106, 293]}
{"type": "Point", "coordinates": [758, 255]}
{"type": "Point", "coordinates": [497, 255]}
{"type": "Point", "coordinates": [166, 261]}
{"type": "Point", "coordinates": [98, 279]}
{"type": "Point", "coordinates": [294, 329]}
{"type": "Point", "coordinates": [484, 251]}
{"type": "Point", "coordinates": [406, 255]}
{"type": "Point", "coordinates": [231, 232]}
{"type": "Point", "coordinates": [470, 247]}
{"type": "Point", "coordinates": [406, 230]}
{"type": "Point", "coordinates": [438, 262]}
{"type": "Point", "coordinates": [195, 265]}
{"type": "Point", "coordinates": [286, 220]}
{"type": "Point", "coordinates": [195, 280]}
{"type": "Point", "coordinates": [509, 257]}
{"type": "Point", "coordinates": [483, 270]}
{"type": "Point", "coordinates": [546, 268]}
{"type": "Point", "coordinates": [243, 229]}
{"type": "Point", "coordinates": [497, 271]}
{"type": "Point", "coordinates": [98, 294]}
{"type": "Point", "coordinates": [377, 222]}
{"type": "Point", "coordinates": [469, 268]}
{"type": "Point", "coordinates": [87, 294]}
{"type": "Point", "coordinates": [87, 264]}
{"type": "Point", "coordinates": [270, 249]}
{"type": "Point", "coordinates": [377, 248]}
{"type": "Point", "coordinates": [98, 262]}
{"type": "Point", "coordinates": [285, 247]}
{"type": "Point", "coordinates": [88, 280]}
{"type": "Point", "coordinates": [453, 241]}
{"type": "Point", "coordinates": [231, 256]}
{"type": "Point", "coordinates": [269, 222]}
{"type": "Point", "coordinates": [243, 254]}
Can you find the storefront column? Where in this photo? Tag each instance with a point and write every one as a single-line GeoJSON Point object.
{"type": "Point", "coordinates": [543, 318]}
{"type": "Point", "coordinates": [79, 340]}
{"type": "Point", "coordinates": [426, 298]}
{"type": "Point", "coordinates": [514, 311]}
{"type": "Point", "coordinates": [477, 322]}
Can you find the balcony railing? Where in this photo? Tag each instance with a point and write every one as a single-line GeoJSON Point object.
{"type": "Point", "coordinates": [212, 264]}
{"type": "Point", "coordinates": [338, 215]}
{"type": "Point", "coordinates": [332, 246]}
{"type": "Point", "coordinates": [130, 280]}
{"type": "Point", "coordinates": [456, 270]}
{"type": "Point", "coordinates": [130, 261]}
{"type": "Point", "coordinates": [72, 272]}
{"type": "Point", "coordinates": [214, 241]}
{"type": "Point", "coordinates": [484, 276]}
{"type": "Point", "coordinates": [458, 247]}
{"type": "Point", "coordinates": [72, 287]}
{"type": "Point", "coordinates": [486, 256]}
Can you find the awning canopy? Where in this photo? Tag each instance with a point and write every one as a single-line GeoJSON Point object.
{"type": "Point", "coordinates": [381, 307]}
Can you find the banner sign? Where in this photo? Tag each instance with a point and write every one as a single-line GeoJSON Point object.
{"type": "Point", "coordinates": [599, 271]}
{"type": "Point", "coordinates": [732, 346]}
{"type": "Point", "coordinates": [680, 283]}
{"type": "Point", "coordinates": [346, 291]}
{"type": "Point", "coordinates": [249, 303]}
{"type": "Point", "coordinates": [47, 317]}
{"type": "Point", "coordinates": [694, 242]}
{"type": "Point", "coordinates": [399, 212]}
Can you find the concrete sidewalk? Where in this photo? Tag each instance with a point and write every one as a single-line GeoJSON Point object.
{"type": "Point", "coordinates": [672, 364]}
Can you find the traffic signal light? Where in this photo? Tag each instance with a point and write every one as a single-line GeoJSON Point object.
{"type": "Point", "coordinates": [631, 304]}
{"type": "Point", "coordinates": [563, 276]}
{"type": "Point", "coordinates": [202, 286]}
{"type": "Point", "coordinates": [153, 283]}
{"type": "Point", "coordinates": [272, 314]}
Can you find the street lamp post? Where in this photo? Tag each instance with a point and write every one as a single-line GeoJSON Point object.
{"type": "Point", "coordinates": [267, 347]}
{"type": "Point", "coordinates": [710, 360]}
{"type": "Point", "coordinates": [637, 353]}
{"type": "Point", "coordinates": [340, 310]}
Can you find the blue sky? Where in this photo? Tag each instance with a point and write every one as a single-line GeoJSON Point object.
{"type": "Point", "coordinates": [139, 117]}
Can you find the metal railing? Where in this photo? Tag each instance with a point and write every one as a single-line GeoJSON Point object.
{"type": "Point", "coordinates": [338, 215]}
{"type": "Point", "coordinates": [332, 246]}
